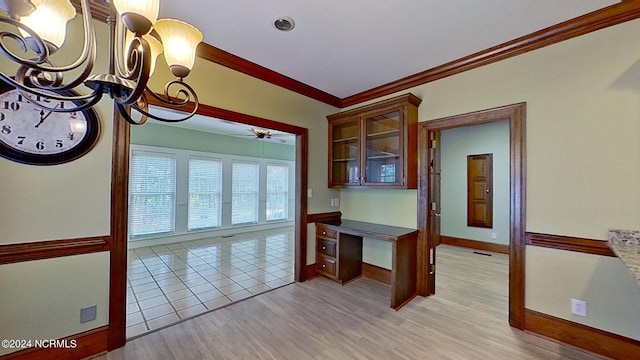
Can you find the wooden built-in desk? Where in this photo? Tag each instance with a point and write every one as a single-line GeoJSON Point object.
{"type": "Point", "coordinates": [339, 254]}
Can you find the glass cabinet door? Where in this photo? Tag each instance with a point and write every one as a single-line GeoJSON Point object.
{"type": "Point", "coordinates": [383, 144]}
{"type": "Point", "coordinates": [345, 152]}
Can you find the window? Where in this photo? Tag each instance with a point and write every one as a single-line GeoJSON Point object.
{"type": "Point", "coordinates": [277, 192]}
{"type": "Point", "coordinates": [244, 207]}
{"type": "Point", "coordinates": [152, 193]}
{"type": "Point", "coordinates": [205, 200]}
{"type": "Point", "coordinates": [388, 172]}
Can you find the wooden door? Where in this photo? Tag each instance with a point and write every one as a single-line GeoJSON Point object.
{"type": "Point", "coordinates": [480, 190]}
{"type": "Point", "coordinates": [433, 221]}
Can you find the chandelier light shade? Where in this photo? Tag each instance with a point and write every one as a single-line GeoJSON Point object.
{"type": "Point", "coordinates": [39, 27]}
{"type": "Point", "coordinates": [180, 40]}
{"type": "Point", "coordinates": [49, 20]}
{"type": "Point", "coordinates": [138, 15]}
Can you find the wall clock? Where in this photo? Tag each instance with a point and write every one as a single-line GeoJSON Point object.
{"type": "Point", "coordinates": [31, 135]}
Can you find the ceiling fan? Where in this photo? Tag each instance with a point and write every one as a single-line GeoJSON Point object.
{"type": "Point", "coordinates": [265, 134]}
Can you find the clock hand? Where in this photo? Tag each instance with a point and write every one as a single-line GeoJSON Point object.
{"type": "Point", "coordinates": [43, 116]}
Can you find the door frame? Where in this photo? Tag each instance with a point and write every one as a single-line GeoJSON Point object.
{"type": "Point", "coordinates": [119, 207]}
{"type": "Point", "coordinates": [515, 114]}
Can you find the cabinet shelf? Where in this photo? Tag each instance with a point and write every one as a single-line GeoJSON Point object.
{"type": "Point", "coordinates": [384, 134]}
{"type": "Point", "coordinates": [377, 157]}
{"type": "Point", "coordinates": [345, 139]}
{"type": "Point", "coordinates": [344, 160]}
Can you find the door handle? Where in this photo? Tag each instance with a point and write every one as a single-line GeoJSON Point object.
{"type": "Point", "coordinates": [437, 214]}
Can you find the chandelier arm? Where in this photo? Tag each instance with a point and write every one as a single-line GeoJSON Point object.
{"type": "Point", "coordinates": [187, 94]}
{"type": "Point", "coordinates": [42, 55]}
{"type": "Point", "coordinates": [119, 48]}
{"type": "Point", "coordinates": [125, 110]}
{"type": "Point", "coordinates": [145, 113]}
{"type": "Point", "coordinates": [138, 68]}
{"type": "Point", "coordinates": [81, 102]}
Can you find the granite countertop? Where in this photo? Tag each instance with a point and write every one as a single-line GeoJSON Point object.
{"type": "Point", "coordinates": [626, 245]}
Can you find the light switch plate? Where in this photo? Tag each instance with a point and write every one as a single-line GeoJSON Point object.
{"type": "Point", "coordinates": [88, 314]}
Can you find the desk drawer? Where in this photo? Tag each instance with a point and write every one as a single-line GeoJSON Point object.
{"type": "Point", "coordinates": [326, 247]}
{"type": "Point", "coordinates": [324, 232]}
{"type": "Point", "coordinates": [326, 265]}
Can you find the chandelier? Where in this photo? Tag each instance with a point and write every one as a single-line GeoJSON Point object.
{"type": "Point", "coordinates": [136, 38]}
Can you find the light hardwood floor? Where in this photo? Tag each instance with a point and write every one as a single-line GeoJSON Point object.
{"type": "Point", "coordinates": [320, 319]}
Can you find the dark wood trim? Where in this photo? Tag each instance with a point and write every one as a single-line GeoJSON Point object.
{"type": "Point", "coordinates": [14, 253]}
{"type": "Point", "coordinates": [600, 19]}
{"type": "Point", "coordinates": [310, 272]}
{"type": "Point", "coordinates": [517, 194]}
{"type": "Point", "coordinates": [582, 336]}
{"type": "Point", "coordinates": [329, 217]}
{"type": "Point", "coordinates": [219, 113]}
{"type": "Point", "coordinates": [119, 228]}
{"type": "Point", "coordinates": [302, 179]}
{"type": "Point", "coordinates": [376, 273]}
{"type": "Point", "coordinates": [559, 242]}
{"type": "Point", "coordinates": [89, 343]}
{"type": "Point", "coordinates": [474, 244]}
{"type": "Point", "coordinates": [221, 57]}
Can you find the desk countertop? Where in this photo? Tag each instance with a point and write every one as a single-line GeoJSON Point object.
{"type": "Point", "coordinates": [626, 245]}
{"type": "Point", "coordinates": [372, 229]}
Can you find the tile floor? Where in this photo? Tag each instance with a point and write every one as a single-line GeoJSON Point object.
{"type": "Point", "coordinates": [167, 283]}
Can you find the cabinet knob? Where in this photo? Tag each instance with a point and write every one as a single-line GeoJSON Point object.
{"type": "Point", "coordinates": [324, 248]}
{"type": "Point", "coordinates": [324, 233]}
{"type": "Point", "coordinates": [324, 266]}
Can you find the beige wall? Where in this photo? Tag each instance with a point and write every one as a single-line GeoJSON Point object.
{"type": "Point", "coordinates": [42, 299]}
{"type": "Point", "coordinates": [73, 200]}
{"type": "Point", "coordinates": [582, 167]}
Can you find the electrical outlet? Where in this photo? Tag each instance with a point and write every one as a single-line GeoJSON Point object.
{"type": "Point", "coordinates": [309, 193]}
{"type": "Point", "coordinates": [579, 307]}
{"type": "Point", "coordinates": [494, 235]}
{"type": "Point", "coordinates": [337, 202]}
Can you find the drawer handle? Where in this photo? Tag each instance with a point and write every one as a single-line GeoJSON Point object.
{"type": "Point", "coordinates": [324, 248]}
{"type": "Point", "coordinates": [324, 233]}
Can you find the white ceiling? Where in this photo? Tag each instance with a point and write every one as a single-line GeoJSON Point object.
{"type": "Point", "coordinates": [344, 47]}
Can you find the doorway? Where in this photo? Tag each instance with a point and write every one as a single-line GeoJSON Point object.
{"type": "Point", "coordinates": [119, 208]}
{"type": "Point", "coordinates": [211, 218]}
{"type": "Point", "coordinates": [428, 200]}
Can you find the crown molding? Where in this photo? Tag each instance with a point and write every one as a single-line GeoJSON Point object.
{"type": "Point", "coordinates": [600, 19]}
{"type": "Point", "coordinates": [616, 14]}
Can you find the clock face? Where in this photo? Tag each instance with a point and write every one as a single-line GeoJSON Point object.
{"type": "Point", "coordinates": [32, 135]}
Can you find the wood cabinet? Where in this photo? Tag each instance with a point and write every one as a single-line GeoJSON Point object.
{"type": "Point", "coordinates": [339, 255]}
{"type": "Point", "coordinates": [375, 145]}
{"type": "Point", "coordinates": [338, 258]}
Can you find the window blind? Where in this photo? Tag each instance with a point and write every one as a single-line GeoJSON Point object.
{"type": "Point", "coordinates": [277, 192]}
{"type": "Point", "coordinates": [245, 187]}
{"type": "Point", "coordinates": [205, 200]}
{"type": "Point", "coordinates": [152, 193]}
